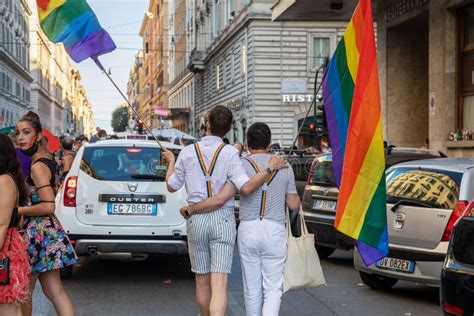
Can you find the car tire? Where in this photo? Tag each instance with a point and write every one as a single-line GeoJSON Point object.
{"type": "Point", "coordinates": [66, 272]}
{"type": "Point", "coordinates": [377, 282]}
{"type": "Point", "coordinates": [324, 252]}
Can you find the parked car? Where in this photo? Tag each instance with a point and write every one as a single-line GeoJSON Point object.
{"type": "Point", "coordinates": [424, 201]}
{"type": "Point", "coordinates": [457, 275]}
{"type": "Point", "coordinates": [114, 200]}
{"type": "Point", "coordinates": [321, 193]}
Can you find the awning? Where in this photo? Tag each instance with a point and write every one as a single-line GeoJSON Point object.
{"type": "Point", "coordinates": [316, 10]}
{"type": "Point", "coordinates": [161, 111]}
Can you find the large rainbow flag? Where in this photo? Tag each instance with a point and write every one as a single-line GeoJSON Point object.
{"type": "Point", "coordinates": [353, 113]}
{"type": "Point", "coordinates": [73, 23]}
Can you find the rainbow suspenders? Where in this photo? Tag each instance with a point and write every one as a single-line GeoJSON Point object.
{"type": "Point", "coordinates": [208, 172]}
{"type": "Point", "coordinates": [265, 185]}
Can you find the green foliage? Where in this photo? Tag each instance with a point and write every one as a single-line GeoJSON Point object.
{"type": "Point", "coordinates": [120, 119]}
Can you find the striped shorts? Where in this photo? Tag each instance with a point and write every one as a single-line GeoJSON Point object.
{"type": "Point", "coordinates": [211, 240]}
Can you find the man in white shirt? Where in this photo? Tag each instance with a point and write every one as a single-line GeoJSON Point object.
{"type": "Point", "coordinates": [204, 169]}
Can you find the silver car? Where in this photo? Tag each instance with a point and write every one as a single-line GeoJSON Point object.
{"type": "Point", "coordinates": [424, 200]}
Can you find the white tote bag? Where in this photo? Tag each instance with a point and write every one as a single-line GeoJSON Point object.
{"type": "Point", "coordinates": [302, 267]}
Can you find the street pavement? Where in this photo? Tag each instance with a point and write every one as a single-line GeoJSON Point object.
{"type": "Point", "coordinates": [162, 285]}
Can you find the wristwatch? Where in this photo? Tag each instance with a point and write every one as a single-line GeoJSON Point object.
{"type": "Point", "coordinates": [268, 170]}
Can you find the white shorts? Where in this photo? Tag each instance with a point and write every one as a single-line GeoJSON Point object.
{"type": "Point", "coordinates": [211, 240]}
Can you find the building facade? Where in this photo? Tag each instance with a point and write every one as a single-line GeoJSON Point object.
{"type": "Point", "coordinates": [425, 52]}
{"type": "Point", "coordinates": [134, 84]}
{"type": "Point", "coordinates": [154, 31]}
{"type": "Point", "coordinates": [56, 92]}
{"type": "Point", "coordinates": [263, 71]}
{"type": "Point", "coordinates": [426, 58]}
{"type": "Point", "coordinates": [181, 87]}
{"type": "Point", "coordinates": [15, 77]}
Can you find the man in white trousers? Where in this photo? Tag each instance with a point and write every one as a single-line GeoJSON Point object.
{"type": "Point", "coordinates": [262, 234]}
{"type": "Point", "coordinates": [204, 168]}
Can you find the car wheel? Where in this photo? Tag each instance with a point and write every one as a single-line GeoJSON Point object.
{"type": "Point", "coordinates": [324, 252]}
{"type": "Point", "coordinates": [66, 273]}
{"type": "Point", "coordinates": [377, 282]}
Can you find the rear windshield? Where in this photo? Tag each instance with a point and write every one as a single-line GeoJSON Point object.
{"type": "Point", "coordinates": [322, 173]}
{"type": "Point", "coordinates": [301, 168]}
{"type": "Point", "coordinates": [435, 188]}
{"type": "Point", "coordinates": [123, 163]}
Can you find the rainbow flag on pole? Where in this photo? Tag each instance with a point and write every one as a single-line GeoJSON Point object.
{"type": "Point", "coordinates": [353, 113]}
{"type": "Point", "coordinates": [73, 23]}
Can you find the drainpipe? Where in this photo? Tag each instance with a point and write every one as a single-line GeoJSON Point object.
{"type": "Point", "coordinates": [246, 63]}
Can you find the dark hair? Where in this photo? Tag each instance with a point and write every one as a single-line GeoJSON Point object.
{"type": "Point", "coordinates": [34, 120]}
{"type": "Point", "coordinates": [101, 133]}
{"type": "Point", "coordinates": [259, 136]}
{"type": "Point", "coordinates": [67, 143]}
{"type": "Point", "coordinates": [9, 164]}
{"type": "Point", "coordinates": [220, 120]}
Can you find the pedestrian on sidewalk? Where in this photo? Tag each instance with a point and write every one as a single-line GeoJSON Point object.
{"type": "Point", "coordinates": [204, 169]}
{"type": "Point", "coordinates": [13, 191]}
{"type": "Point", "coordinates": [67, 145]}
{"type": "Point", "coordinates": [49, 248]}
{"type": "Point", "coordinates": [262, 234]}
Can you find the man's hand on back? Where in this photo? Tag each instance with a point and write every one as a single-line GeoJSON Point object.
{"type": "Point", "coordinates": [277, 163]}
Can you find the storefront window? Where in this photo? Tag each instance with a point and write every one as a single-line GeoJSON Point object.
{"type": "Point", "coordinates": [466, 67]}
{"type": "Point", "coordinates": [468, 117]}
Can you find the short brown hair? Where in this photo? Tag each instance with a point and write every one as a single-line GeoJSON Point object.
{"type": "Point", "coordinates": [220, 120]}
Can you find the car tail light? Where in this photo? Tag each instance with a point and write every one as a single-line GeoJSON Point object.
{"type": "Point", "coordinates": [70, 192]}
{"type": "Point", "coordinates": [448, 308]}
{"type": "Point", "coordinates": [457, 212]}
{"type": "Point", "coordinates": [469, 211]}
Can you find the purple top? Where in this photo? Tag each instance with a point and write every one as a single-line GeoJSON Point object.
{"type": "Point", "coordinates": [25, 162]}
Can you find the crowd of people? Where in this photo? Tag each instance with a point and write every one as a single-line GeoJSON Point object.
{"type": "Point", "coordinates": [37, 247]}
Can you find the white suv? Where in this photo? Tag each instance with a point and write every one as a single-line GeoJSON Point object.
{"type": "Point", "coordinates": [114, 200]}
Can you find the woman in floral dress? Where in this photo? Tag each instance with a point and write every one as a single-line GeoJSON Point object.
{"type": "Point", "coordinates": [49, 248]}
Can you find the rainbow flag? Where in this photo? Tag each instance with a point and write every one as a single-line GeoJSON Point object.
{"type": "Point", "coordinates": [73, 23]}
{"type": "Point", "coordinates": [353, 113]}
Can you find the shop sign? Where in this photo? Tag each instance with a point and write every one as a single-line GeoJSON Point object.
{"type": "Point", "coordinates": [235, 103]}
{"type": "Point", "coordinates": [297, 98]}
{"type": "Point", "coordinates": [402, 7]}
{"type": "Point", "coordinates": [293, 86]}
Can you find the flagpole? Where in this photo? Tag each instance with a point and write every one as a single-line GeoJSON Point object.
{"type": "Point", "coordinates": [315, 93]}
{"type": "Point", "coordinates": [98, 63]}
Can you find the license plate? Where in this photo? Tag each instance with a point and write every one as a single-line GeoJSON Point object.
{"type": "Point", "coordinates": [324, 204]}
{"type": "Point", "coordinates": [131, 209]}
{"type": "Point", "coordinates": [396, 265]}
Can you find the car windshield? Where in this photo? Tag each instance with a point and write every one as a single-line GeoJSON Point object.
{"type": "Point", "coordinates": [437, 188]}
{"type": "Point", "coordinates": [123, 163]}
{"type": "Point", "coordinates": [322, 173]}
